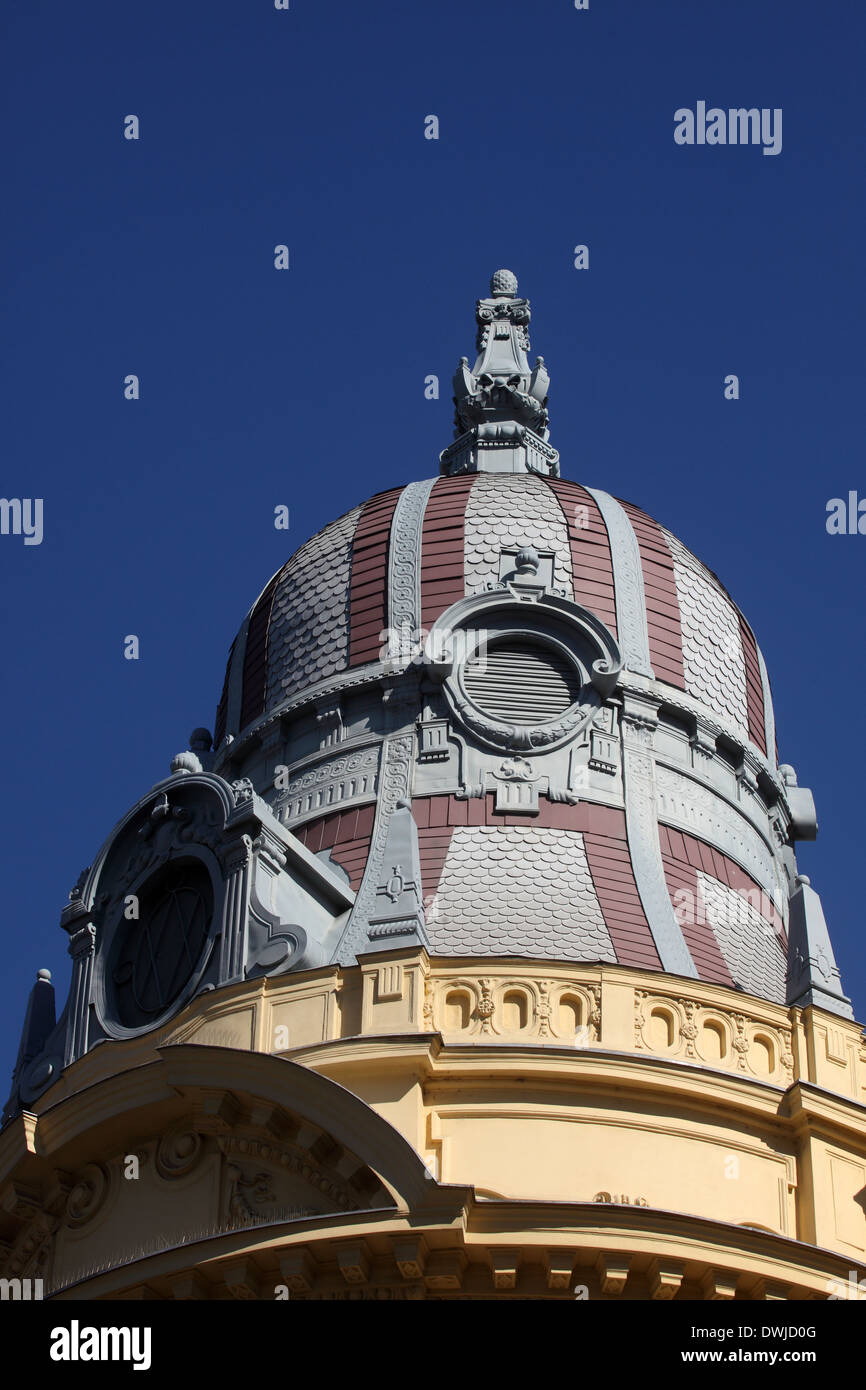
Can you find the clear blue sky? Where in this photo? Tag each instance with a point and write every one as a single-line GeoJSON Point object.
{"type": "Point", "coordinates": [305, 388]}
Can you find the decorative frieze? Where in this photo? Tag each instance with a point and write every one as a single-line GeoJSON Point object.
{"type": "Point", "coordinates": [728, 1039]}
{"type": "Point", "coordinates": [563, 1012]}
{"type": "Point", "coordinates": [328, 785]}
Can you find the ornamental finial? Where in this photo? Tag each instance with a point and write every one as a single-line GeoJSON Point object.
{"type": "Point", "coordinates": [500, 405]}
{"type": "Point", "coordinates": [503, 282]}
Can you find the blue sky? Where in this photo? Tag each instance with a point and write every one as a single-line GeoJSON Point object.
{"type": "Point", "coordinates": [305, 387]}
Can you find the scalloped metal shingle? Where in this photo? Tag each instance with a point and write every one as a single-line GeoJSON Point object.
{"type": "Point", "coordinates": [520, 891]}
{"type": "Point", "coordinates": [749, 944]}
{"type": "Point", "coordinates": [309, 631]}
{"type": "Point", "coordinates": [713, 661]}
{"type": "Point", "coordinates": [507, 509]}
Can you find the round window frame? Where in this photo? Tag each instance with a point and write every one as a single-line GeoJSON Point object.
{"type": "Point", "coordinates": [104, 987]}
{"type": "Point", "coordinates": [538, 617]}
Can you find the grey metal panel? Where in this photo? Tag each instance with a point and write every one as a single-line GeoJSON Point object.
{"type": "Point", "coordinates": [685, 803]}
{"type": "Point", "coordinates": [752, 950]}
{"type": "Point", "coordinates": [309, 632]}
{"type": "Point", "coordinates": [395, 782]}
{"type": "Point", "coordinates": [769, 714]}
{"type": "Point", "coordinates": [643, 843]}
{"type": "Point", "coordinates": [631, 623]}
{"type": "Point", "coordinates": [510, 890]}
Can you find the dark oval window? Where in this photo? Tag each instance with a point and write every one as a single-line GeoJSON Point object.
{"type": "Point", "coordinates": [522, 683]}
{"type": "Point", "coordinates": [157, 955]}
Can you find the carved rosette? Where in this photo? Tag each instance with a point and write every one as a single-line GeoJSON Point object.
{"type": "Point", "coordinates": [87, 1196]}
{"type": "Point", "coordinates": [178, 1152]}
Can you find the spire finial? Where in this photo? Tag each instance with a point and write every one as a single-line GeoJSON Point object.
{"type": "Point", "coordinates": [503, 282]}
{"type": "Point", "coordinates": [500, 420]}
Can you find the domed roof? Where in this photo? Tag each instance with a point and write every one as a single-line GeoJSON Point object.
{"type": "Point", "coordinates": [520, 717]}
{"type": "Point", "coordinates": [329, 608]}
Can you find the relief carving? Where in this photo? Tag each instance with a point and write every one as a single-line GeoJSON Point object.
{"type": "Point", "coordinates": [328, 784]}
{"type": "Point", "coordinates": [178, 1152]}
{"type": "Point", "coordinates": [704, 1033]}
{"type": "Point", "coordinates": [87, 1196]}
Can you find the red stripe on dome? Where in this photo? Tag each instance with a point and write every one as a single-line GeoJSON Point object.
{"type": "Point", "coordinates": [368, 588]}
{"type": "Point", "coordinates": [451, 811]}
{"type": "Point", "coordinates": [687, 854]}
{"type": "Point", "coordinates": [754, 686]}
{"type": "Point", "coordinates": [621, 907]}
{"type": "Point", "coordinates": [591, 562]}
{"type": "Point", "coordinates": [346, 835]}
{"type": "Point", "coordinates": [442, 547]}
{"type": "Point", "coordinates": [255, 673]}
{"type": "Point", "coordinates": [681, 877]}
{"type": "Point", "coordinates": [660, 591]}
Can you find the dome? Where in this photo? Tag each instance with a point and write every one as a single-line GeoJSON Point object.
{"type": "Point", "coordinates": [326, 611]}
{"type": "Point", "coordinates": [528, 705]}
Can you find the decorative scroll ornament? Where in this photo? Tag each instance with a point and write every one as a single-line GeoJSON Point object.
{"type": "Point", "coordinates": [404, 566]}
{"type": "Point", "coordinates": [631, 619]}
{"type": "Point", "coordinates": [87, 1196]}
{"type": "Point", "coordinates": [178, 1152]}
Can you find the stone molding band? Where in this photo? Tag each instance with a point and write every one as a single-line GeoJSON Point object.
{"type": "Point", "coordinates": [404, 568]}
{"type": "Point", "coordinates": [631, 623]}
{"type": "Point", "coordinates": [769, 717]}
{"type": "Point", "coordinates": [643, 842]}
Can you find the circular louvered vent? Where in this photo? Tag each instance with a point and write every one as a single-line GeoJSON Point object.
{"type": "Point", "coordinates": [521, 683]}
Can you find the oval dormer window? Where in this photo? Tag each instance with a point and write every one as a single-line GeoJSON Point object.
{"type": "Point", "coordinates": [521, 682]}
{"type": "Point", "coordinates": [157, 955]}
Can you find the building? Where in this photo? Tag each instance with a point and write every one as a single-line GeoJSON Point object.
{"type": "Point", "coordinates": [472, 960]}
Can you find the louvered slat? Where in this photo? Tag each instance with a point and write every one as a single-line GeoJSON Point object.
{"type": "Point", "coordinates": [522, 684]}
